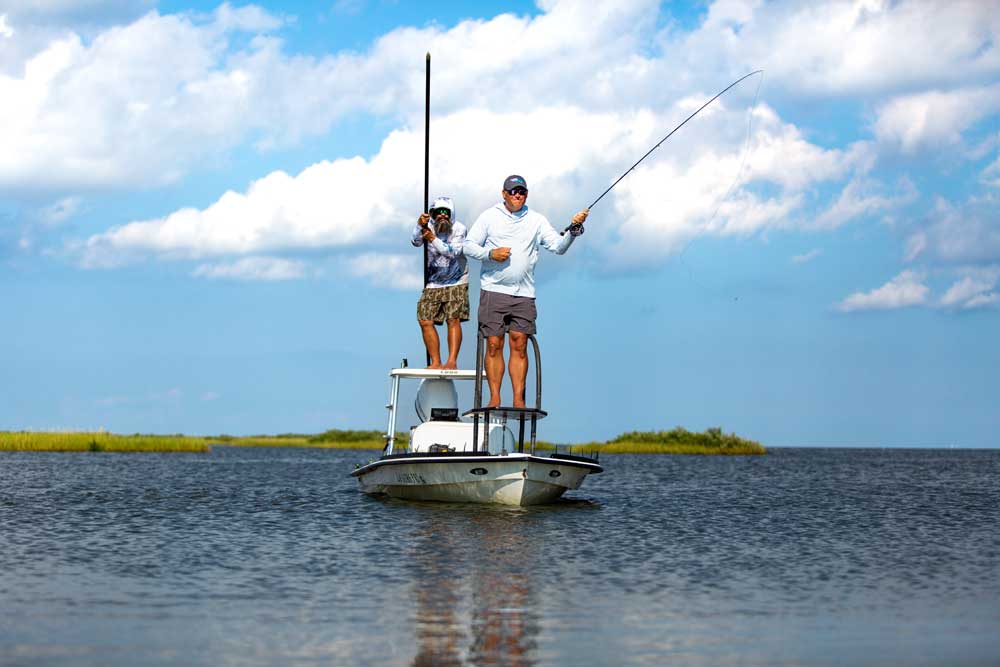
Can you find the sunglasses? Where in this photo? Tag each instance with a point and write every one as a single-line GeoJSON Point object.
{"type": "Point", "coordinates": [435, 212]}
{"type": "Point", "coordinates": [518, 191]}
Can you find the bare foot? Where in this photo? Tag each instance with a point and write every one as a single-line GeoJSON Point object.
{"type": "Point", "coordinates": [519, 404]}
{"type": "Point", "coordinates": [451, 365]}
{"type": "Point", "coordinates": [434, 366]}
{"type": "Point", "coordinates": [493, 404]}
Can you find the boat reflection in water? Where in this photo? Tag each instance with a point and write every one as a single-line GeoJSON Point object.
{"type": "Point", "coordinates": [474, 600]}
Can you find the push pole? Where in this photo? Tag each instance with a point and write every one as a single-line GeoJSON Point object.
{"type": "Point", "coordinates": [427, 164]}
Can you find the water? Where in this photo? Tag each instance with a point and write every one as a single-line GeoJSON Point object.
{"type": "Point", "coordinates": [271, 556]}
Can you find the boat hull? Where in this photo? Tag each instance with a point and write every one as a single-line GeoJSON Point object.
{"type": "Point", "coordinates": [514, 479]}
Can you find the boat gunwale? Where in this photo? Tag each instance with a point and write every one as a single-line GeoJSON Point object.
{"type": "Point", "coordinates": [459, 457]}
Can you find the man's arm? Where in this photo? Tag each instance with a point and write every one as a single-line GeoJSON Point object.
{"type": "Point", "coordinates": [453, 248]}
{"type": "Point", "coordinates": [473, 246]}
{"type": "Point", "coordinates": [552, 240]}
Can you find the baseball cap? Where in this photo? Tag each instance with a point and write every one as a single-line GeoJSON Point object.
{"type": "Point", "coordinates": [514, 181]}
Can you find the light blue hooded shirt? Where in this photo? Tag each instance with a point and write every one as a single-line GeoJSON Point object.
{"type": "Point", "coordinates": [523, 232]}
{"type": "Point", "coordinates": [446, 265]}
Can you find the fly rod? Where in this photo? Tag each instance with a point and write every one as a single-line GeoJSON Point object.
{"type": "Point", "coordinates": [669, 134]}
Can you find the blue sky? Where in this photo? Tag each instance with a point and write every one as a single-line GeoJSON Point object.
{"type": "Point", "coordinates": [205, 211]}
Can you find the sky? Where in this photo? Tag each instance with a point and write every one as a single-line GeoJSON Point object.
{"type": "Point", "coordinates": [205, 211]}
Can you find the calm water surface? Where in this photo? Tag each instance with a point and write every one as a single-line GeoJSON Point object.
{"type": "Point", "coordinates": [272, 557]}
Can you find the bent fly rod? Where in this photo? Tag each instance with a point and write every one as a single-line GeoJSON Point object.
{"type": "Point", "coordinates": [669, 134]}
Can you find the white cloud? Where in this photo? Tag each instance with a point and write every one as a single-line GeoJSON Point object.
{"type": "Point", "coordinates": [401, 272]}
{"type": "Point", "coordinates": [278, 212]}
{"type": "Point", "coordinates": [145, 102]}
{"type": "Point", "coordinates": [38, 24]}
{"type": "Point", "coordinates": [991, 174]}
{"type": "Point", "coordinates": [906, 289]}
{"type": "Point", "coordinates": [142, 103]}
{"type": "Point", "coordinates": [63, 12]}
{"type": "Point", "coordinates": [958, 234]}
{"type": "Point", "coordinates": [137, 105]}
{"type": "Point", "coordinates": [60, 211]}
{"type": "Point", "coordinates": [5, 30]}
{"type": "Point", "coordinates": [916, 244]}
{"type": "Point", "coordinates": [681, 192]}
{"type": "Point", "coordinates": [934, 118]}
{"type": "Point", "coordinates": [253, 268]}
{"type": "Point", "coordinates": [982, 301]}
{"type": "Point", "coordinates": [782, 154]}
{"type": "Point", "coordinates": [807, 256]}
{"type": "Point", "coordinates": [863, 197]}
{"type": "Point", "coordinates": [839, 48]}
{"type": "Point", "coordinates": [975, 290]}
{"type": "Point", "coordinates": [248, 18]}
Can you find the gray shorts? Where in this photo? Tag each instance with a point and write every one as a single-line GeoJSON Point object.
{"type": "Point", "coordinates": [499, 312]}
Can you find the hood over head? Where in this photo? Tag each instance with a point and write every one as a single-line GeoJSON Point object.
{"type": "Point", "coordinates": [444, 202]}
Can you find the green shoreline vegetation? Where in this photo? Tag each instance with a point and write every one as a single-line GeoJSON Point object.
{"type": "Point", "coordinates": [677, 441]}
{"type": "Point", "coordinates": [332, 439]}
{"type": "Point", "coordinates": [98, 441]}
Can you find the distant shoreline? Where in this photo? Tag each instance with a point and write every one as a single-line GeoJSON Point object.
{"type": "Point", "coordinates": [677, 441]}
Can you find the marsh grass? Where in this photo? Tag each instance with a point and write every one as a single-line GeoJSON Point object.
{"type": "Point", "coordinates": [97, 441]}
{"type": "Point", "coordinates": [332, 439]}
{"type": "Point", "coordinates": [675, 441]}
{"type": "Point", "coordinates": [286, 440]}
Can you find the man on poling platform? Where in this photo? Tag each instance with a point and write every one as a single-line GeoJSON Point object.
{"type": "Point", "coordinates": [506, 238]}
{"type": "Point", "coordinates": [445, 298]}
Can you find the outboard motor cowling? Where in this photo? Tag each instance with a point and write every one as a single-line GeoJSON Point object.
{"type": "Point", "coordinates": [435, 394]}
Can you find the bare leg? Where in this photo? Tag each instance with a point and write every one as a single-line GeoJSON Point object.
{"type": "Point", "coordinates": [454, 342]}
{"type": "Point", "coordinates": [494, 368]}
{"type": "Point", "coordinates": [431, 342]}
{"type": "Point", "coordinates": [518, 365]}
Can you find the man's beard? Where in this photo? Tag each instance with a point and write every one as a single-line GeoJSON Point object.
{"type": "Point", "coordinates": [442, 226]}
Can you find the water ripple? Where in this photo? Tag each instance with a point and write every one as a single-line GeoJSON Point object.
{"type": "Point", "coordinates": [258, 556]}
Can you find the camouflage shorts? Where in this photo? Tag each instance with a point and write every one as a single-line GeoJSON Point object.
{"type": "Point", "coordinates": [444, 303]}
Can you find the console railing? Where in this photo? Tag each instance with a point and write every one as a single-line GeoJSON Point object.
{"type": "Point", "coordinates": [521, 414]}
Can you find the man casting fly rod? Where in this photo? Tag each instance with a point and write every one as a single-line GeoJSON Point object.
{"type": "Point", "coordinates": [506, 238]}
